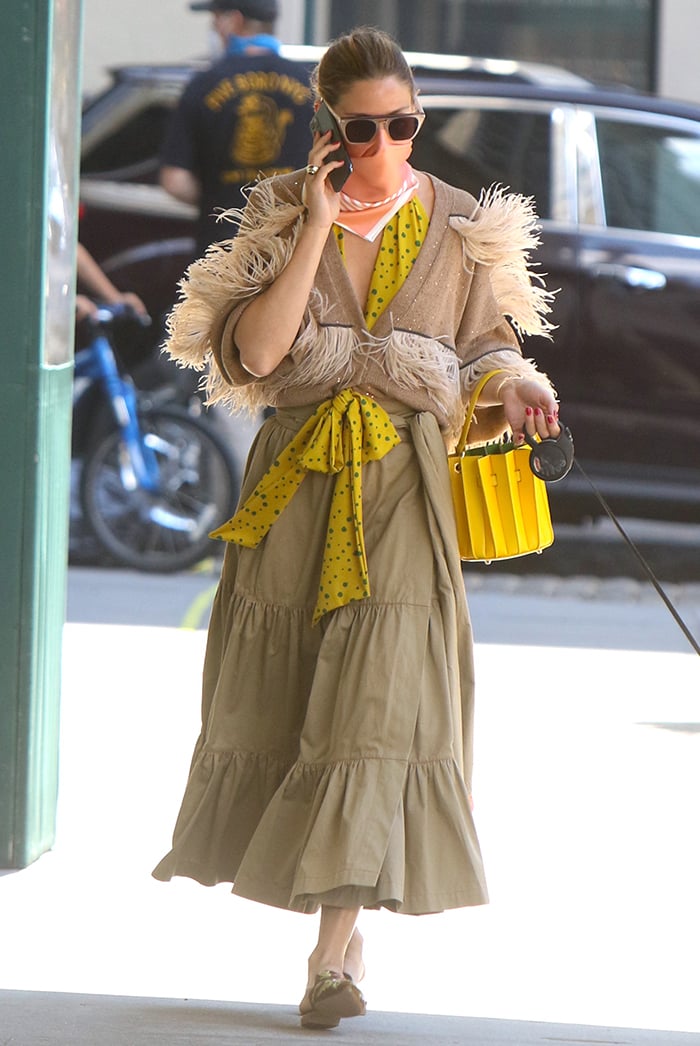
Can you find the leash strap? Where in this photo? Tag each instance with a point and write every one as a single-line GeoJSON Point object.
{"type": "Point", "coordinates": [649, 572]}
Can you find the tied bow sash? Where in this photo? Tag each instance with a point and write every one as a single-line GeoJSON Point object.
{"type": "Point", "coordinates": [341, 435]}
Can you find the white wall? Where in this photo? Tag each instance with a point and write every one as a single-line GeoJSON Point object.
{"type": "Point", "coordinates": [679, 32]}
{"type": "Point", "coordinates": [156, 31]}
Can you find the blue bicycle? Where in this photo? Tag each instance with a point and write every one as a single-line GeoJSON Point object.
{"type": "Point", "coordinates": [156, 476]}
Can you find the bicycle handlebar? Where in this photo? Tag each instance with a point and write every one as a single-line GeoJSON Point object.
{"type": "Point", "coordinates": [107, 314]}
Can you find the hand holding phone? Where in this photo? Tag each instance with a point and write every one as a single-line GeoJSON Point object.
{"type": "Point", "coordinates": [323, 121]}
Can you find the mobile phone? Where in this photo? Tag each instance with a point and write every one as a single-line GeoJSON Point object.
{"type": "Point", "coordinates": [323, 120]}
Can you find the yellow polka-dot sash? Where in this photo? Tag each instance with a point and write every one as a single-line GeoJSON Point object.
{"type": "Point", "coordinates": [341, 435]}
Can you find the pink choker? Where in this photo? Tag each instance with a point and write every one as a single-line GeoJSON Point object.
{"type": "Point", "coordinates": [369, 219]}
{"type": "Point", "coordinates": [347, 203]}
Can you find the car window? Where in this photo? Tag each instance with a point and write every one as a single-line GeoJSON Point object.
{"type": "Point", "coordinates": [650, 176]}
{"type": "Point", "coordinates": [130, 151]}
{"type": "Point", "coordinates": [473, 147]}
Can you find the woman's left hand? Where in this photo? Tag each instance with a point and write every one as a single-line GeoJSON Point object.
{"type": "Point", "coordinates": [530, 407]}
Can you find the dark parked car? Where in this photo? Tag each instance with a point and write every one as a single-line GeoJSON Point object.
{"type": "Point", "coordinates": [616, 180]}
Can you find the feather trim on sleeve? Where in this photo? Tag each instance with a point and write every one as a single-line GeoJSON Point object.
{"type": "Point", "coordinates": [508, 360]}
{"type": "Point", "coordinates": [501, 234]}
{"type": "Point", "coordinates": [322, 353]}
{"type": "Point", "coordinates": [230, 274]}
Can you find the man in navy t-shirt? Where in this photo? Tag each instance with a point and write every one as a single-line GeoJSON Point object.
{"type": "Point", "coordinates": [245, 117]}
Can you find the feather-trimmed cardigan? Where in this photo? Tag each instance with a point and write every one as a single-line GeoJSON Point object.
{"type": "Point", "coordinates": [454, 318]}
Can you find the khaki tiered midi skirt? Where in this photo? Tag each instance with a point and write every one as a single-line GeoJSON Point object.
{"type": "Point", "coordinates": [334, 761]}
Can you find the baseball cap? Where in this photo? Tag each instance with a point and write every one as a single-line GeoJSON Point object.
{"type": "Point", "coordinates": [260, 10]}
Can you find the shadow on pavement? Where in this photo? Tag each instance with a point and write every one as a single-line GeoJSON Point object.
{"type": "Point", "coordinates": [45, 1019]}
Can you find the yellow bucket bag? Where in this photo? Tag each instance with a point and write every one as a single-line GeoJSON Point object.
{"type": "Point", "coordinates": [501, 507]}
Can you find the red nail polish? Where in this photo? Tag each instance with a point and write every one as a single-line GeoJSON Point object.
{"type": "Point", "coordinates": [537, 411]}
{"type": "Point", "coordinates": [550, 419]}
{"type": "Point", "coordinates": [528, 411]}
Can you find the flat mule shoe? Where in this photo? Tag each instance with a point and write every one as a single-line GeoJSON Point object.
{"type": "Point", "coordinates": [331, 997]}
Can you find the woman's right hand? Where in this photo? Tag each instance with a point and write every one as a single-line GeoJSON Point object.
{"type": "Point", "coordinates": [270, 323]}
{"type": "Point", "coordinates": [321, 199]}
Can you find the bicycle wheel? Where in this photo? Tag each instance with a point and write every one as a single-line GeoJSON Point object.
{"type": "Point", "coordinates": [167, 529]}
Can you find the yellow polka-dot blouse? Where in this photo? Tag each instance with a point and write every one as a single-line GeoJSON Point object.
{"type": "Point", "coordinates": [401, 241]}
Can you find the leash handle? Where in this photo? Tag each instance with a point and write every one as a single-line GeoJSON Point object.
{"type": "Point", "coordinates": [647, 569]}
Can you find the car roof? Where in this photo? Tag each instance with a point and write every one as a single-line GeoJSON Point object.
{"type": "Point", "coordinates": [607, 97]}
{"type": "Point", "coordinates": [460, 75]}
{"type": "Point", "coordinates": [462, 67]}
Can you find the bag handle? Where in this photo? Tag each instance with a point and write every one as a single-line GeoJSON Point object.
{"type": "Point", "coordinates": [473, 399]}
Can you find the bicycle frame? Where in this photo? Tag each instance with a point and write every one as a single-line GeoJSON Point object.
{"type": "Point", "coordinates": [152, 485]}
{"type": "Point", "coordinates": [97, 362]}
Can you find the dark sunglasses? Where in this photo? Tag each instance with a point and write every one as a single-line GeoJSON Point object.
{"type": "Point", "coordinates": [359, 130]}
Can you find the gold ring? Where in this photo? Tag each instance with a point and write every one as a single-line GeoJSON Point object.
{"type": "Point", "coordinates": [312, 168]}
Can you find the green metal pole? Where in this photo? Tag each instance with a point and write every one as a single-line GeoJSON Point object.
{"type": "Point", "coordinates": [39, 116]}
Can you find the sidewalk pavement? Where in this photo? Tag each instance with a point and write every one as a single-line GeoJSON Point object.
{"type": "Point", "coordinates": [41, 1019]}
{"type": "Point", "coordinates": [587, 786]}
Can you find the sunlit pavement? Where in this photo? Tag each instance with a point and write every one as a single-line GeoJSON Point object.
{"type": "Point", "coordinates": [587, 791]}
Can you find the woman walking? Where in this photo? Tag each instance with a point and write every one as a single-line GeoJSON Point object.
{"type": "Point", "coordinates": [333, 769]}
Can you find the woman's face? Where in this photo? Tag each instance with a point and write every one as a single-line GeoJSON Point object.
{"type": "Point", "coordinates": [383, 97]}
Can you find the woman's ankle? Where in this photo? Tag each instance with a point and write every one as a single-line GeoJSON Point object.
{"type": "Point", "coordinates": [321, 961]}
{"type": "Point", "coordinates": [353, 964]}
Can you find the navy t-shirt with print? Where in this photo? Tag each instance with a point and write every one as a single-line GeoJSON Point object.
{"type": "Point", "coordinates": [245, 117]}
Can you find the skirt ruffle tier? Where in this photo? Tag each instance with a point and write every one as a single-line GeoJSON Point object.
{"type": "Point", "coordinates": [334, 761]}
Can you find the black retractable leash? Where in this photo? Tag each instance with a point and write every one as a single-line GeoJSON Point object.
{"type": "Point", "coordinates": [551, 459]}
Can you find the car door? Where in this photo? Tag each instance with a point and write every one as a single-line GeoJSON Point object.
{"type": "Point", "coordinates": [637, 413]}
{"type": "Point", "coordinates": [142, 236]}
{"type": "Point", "coordinates": [474, 141]}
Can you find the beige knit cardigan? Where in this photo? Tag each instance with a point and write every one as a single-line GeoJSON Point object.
{"type": "Point", "coordinates": [462, 310]}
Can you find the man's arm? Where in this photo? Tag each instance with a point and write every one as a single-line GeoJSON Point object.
{"type": "Point", "coordinates": [94, 279]}
{"type": "Point", "coordinates": [181, 183]}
